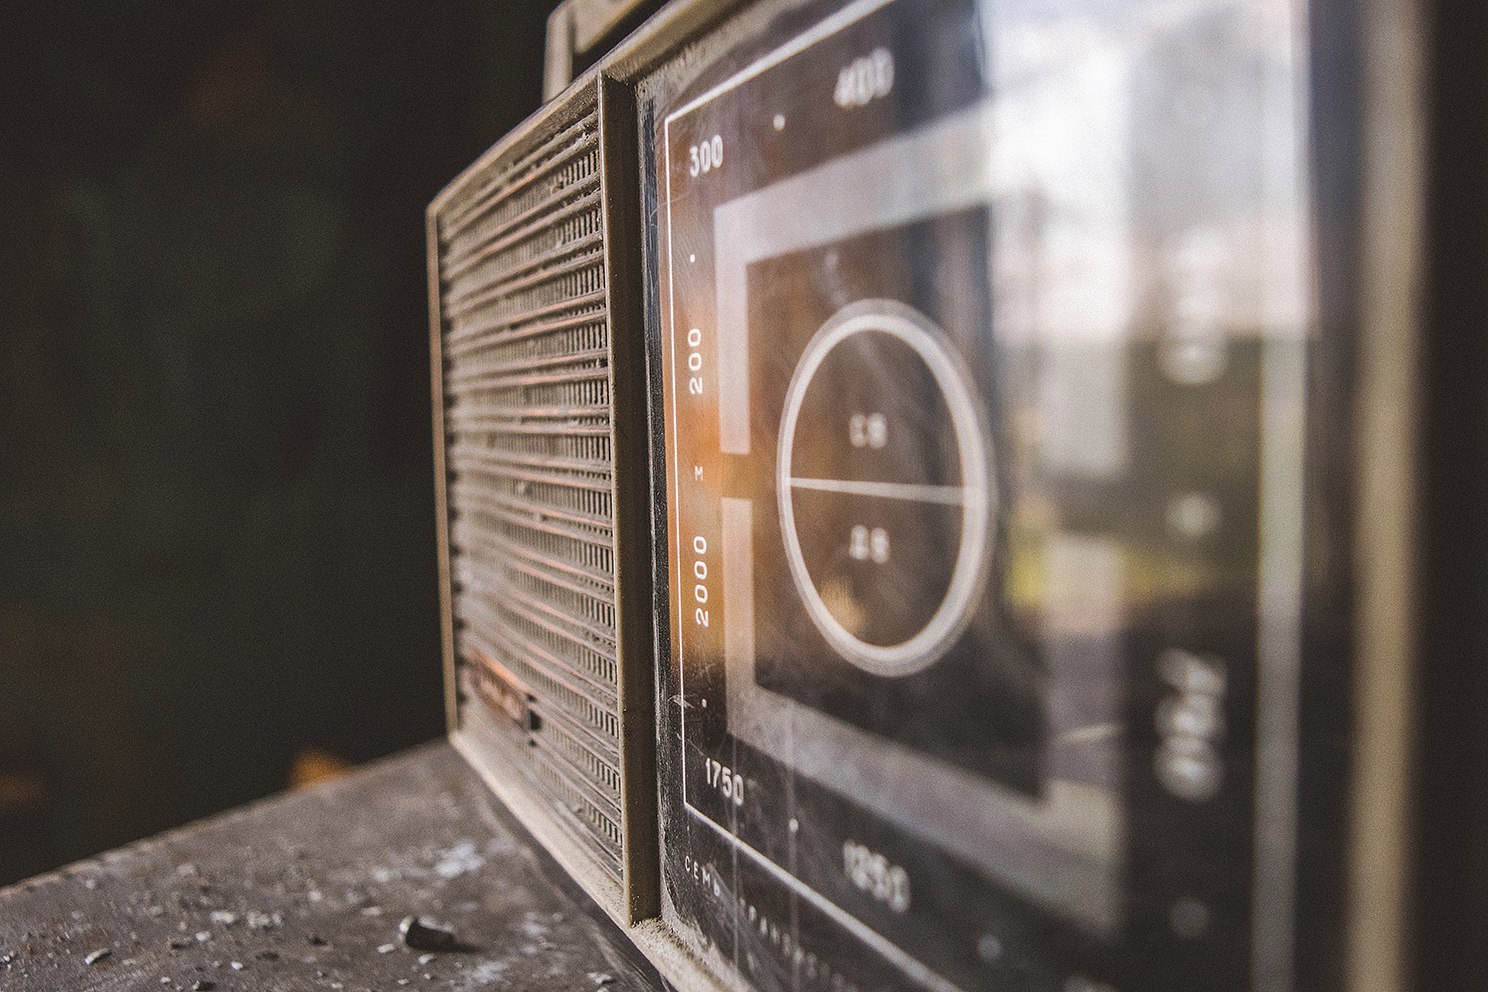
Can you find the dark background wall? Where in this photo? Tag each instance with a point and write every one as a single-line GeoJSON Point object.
{"type": "Point", "coordinates": [216, 499]}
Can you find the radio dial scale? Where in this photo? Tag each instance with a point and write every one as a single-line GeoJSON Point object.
{"type": "Point", "coordinates": [971, 408]}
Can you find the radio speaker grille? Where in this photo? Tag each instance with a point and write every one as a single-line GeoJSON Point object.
{"type": "Point", "coordinates": [522, 285]}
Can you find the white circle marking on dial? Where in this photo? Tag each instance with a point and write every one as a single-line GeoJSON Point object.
{"type": "Point", "coordinates": [976, 500]}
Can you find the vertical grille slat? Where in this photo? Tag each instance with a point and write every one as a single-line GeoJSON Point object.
{"type": "Point", "coordinates": [560, 699]}
{"type": "Point", "coordinates": [506, 454]}
{"type": "Point", "coordinates": [529, 466]}
{"type": "Point", "coordinates": [458, 348]}
{"type": "Point", "coordinates": [577, 549]}
{"type": "Point", "coordinates": [535, 567]}
{"type": "Point", "coordinates": [469, 331]}
{"type": "Point", "coordinates": [507, 181]}
{"type": "Point", "coordinates": [494, 374]}
{"type": "Point", "coordinates": [529, 226]}
{"type": "Point", "coordinates": [573, 253]}
{"type": "Point", "coordinates": [488, 542]}
{"type": "Point", "coordinates": [550, 508]}
{"type": "Point", "coordinates": [557, 703]}
{"type": "Point", "coordinates": [509, 596]}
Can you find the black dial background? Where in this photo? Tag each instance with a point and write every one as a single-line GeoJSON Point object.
{"type": "Point", "coordinates": [720, 896]}
{"type": "Point", "coordinates": [981, 704]}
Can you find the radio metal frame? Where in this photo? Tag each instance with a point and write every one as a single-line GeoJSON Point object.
{"type": "Point", "coordinates": [1382, 477]}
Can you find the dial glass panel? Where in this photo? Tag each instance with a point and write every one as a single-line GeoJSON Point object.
{"type": "Point", "coordinates": [978, 417]}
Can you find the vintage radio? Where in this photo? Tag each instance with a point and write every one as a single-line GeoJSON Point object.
{"type": "Point", "coordinates": [926, 487]}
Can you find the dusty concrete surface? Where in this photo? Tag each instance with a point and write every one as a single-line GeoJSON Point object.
{"type": "Point", "coordinates": [306, 891]}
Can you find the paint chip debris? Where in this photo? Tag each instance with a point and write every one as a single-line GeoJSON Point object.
{"type": "Point", "coordinates": [420, 936]}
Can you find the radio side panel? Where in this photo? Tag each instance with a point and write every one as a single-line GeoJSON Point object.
{"type": "Point", "coordinates": [544, 526]}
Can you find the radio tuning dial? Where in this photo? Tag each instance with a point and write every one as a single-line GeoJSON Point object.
{"type": "Point", "coordinates": [884, 488]}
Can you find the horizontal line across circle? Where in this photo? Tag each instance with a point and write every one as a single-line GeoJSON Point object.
{"type": "Point", "coordinates": [917, 492]}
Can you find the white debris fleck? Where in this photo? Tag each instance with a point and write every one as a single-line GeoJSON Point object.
{"type": "Point", "coordinates": [459, 860]}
